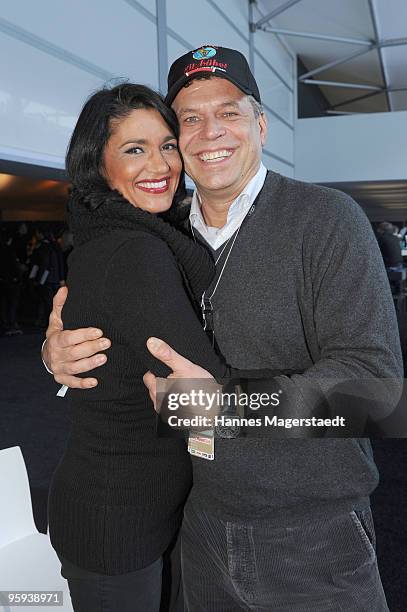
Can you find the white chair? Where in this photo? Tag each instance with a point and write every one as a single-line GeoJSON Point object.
{"type": "Point", "coordinates": [27, 560]}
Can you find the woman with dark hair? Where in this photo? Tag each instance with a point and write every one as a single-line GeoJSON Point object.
{"type": "Point", "coordinates": [117, 496]}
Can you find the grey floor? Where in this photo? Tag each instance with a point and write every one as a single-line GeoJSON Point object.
{"type": "Point", "coordinates": [32, 417]}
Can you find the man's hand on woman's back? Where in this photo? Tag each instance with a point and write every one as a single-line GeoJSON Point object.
{"type": "Point", "coordinates": [70, 352]}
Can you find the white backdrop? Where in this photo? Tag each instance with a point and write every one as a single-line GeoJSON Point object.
{"type": "Point", "coordinates": [56, 52]}
{"type": "Point", "coordinates": [369, 147]}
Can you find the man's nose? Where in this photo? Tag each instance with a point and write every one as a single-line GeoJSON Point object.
{"type": "Point", "coordinates": [212, 129]}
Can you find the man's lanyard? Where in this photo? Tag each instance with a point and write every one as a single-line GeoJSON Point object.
{"type": "Point", "coordinates": [220, 264]}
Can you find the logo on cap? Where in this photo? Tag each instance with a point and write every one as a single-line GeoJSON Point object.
{"type": "Point", "coordinates": [204, 53]}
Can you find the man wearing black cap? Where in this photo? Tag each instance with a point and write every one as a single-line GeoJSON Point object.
{"type": "Point", "coordinates": [212, 61]}
{"type": "Point", "coordinates": [272, 524]}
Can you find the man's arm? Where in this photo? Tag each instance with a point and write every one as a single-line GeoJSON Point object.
{"type": "Point", "coordinates": [70, 352]}
{"type": "Point", "coordinates": [352, 321]}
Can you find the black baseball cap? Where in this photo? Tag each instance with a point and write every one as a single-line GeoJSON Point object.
{"type": "Point", "coordinates": [209, 59]}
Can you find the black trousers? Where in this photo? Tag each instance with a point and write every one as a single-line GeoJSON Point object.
{"type": "Point", "coordinates": [138, 591]}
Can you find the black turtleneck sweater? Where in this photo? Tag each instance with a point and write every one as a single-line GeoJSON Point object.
{"type": "Point", "coordinates": [117, 495]}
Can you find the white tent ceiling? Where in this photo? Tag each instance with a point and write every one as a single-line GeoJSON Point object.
{"type": "Point", "coordinates": [363, 20]}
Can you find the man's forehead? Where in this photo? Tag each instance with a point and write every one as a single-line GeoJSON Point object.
{"type": "Point", "coordinates": [207, 93]}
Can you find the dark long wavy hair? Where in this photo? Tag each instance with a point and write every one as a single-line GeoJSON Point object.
{"type": "Point", "coordinates": [84, 158]}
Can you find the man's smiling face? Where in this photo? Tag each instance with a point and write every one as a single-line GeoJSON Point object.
{"type": "Point", "coordinates": [221, 137]}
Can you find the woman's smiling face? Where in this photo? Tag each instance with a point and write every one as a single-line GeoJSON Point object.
{"type": "Point", "coordinates": [141, 160]}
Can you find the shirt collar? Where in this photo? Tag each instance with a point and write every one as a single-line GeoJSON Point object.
{"type": "Point", "coordinates": [241, 204]}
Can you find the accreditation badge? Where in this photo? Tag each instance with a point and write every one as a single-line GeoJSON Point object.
{"type": "Point", "coordinates": [202, 445]}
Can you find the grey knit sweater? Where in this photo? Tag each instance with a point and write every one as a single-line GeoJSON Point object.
{"type": "Point", "coordinates": [304, 289]}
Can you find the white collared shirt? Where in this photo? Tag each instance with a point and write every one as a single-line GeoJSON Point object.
{"type": "Point", "coordinates": [216, 236]}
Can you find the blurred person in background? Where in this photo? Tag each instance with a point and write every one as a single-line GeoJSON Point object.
{"type": "Point", "coordinates": [403, 235]}
{"type": "Point", "coordinates": [21, 241]}
{"type": "Point", "coordinates": [390, 247]}
{"type": "Point", "coordinates": [47, 272]}
{"type": "Point", "coordinates": [11, 273]}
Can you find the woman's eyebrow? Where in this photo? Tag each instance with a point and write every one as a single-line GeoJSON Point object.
{"type": "Point", "coordinates": [143, 141]}
{"type": "Point", "coordinates": [139, 141]}
{"type": "Point", "coordinates": [169, 137]}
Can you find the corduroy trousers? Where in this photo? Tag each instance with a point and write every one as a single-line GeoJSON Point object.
{"type": "Point", "coordinates": [325, 565]}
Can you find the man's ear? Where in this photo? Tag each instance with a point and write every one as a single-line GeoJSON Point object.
{"type": "Point", "coordinates": [263, 128]}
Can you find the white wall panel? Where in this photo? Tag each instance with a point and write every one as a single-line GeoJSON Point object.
{"type": "Point", "coordinates": [72, 46]}
{"type": "Point", "coordinates": [279, 100]}
{"type": "Point", "coordinates": [276, 54]}
{"type": "Point", "coordinates": [202, 24]}
{"type": "Point", "coordinates": [280, 140]}
{"type": "Point", "coordinates": [43, 89]}
{"type": "Point", "coordinates": [277, 166]}
{"type": "Point", "coordinates": [175, 49]}
{"type": "Point", "coordinates": [39, 101]}
{"type": "Point", "coordinates": [237, 11]}
{"type": "Point", "coordinates": [150, 5]}
{"type": "Point", "coordinates": [369, 147]}
{"type": "Point", "coordinates": [273, 92]}
{"type": "Point", "coordinates": [110, 34]}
